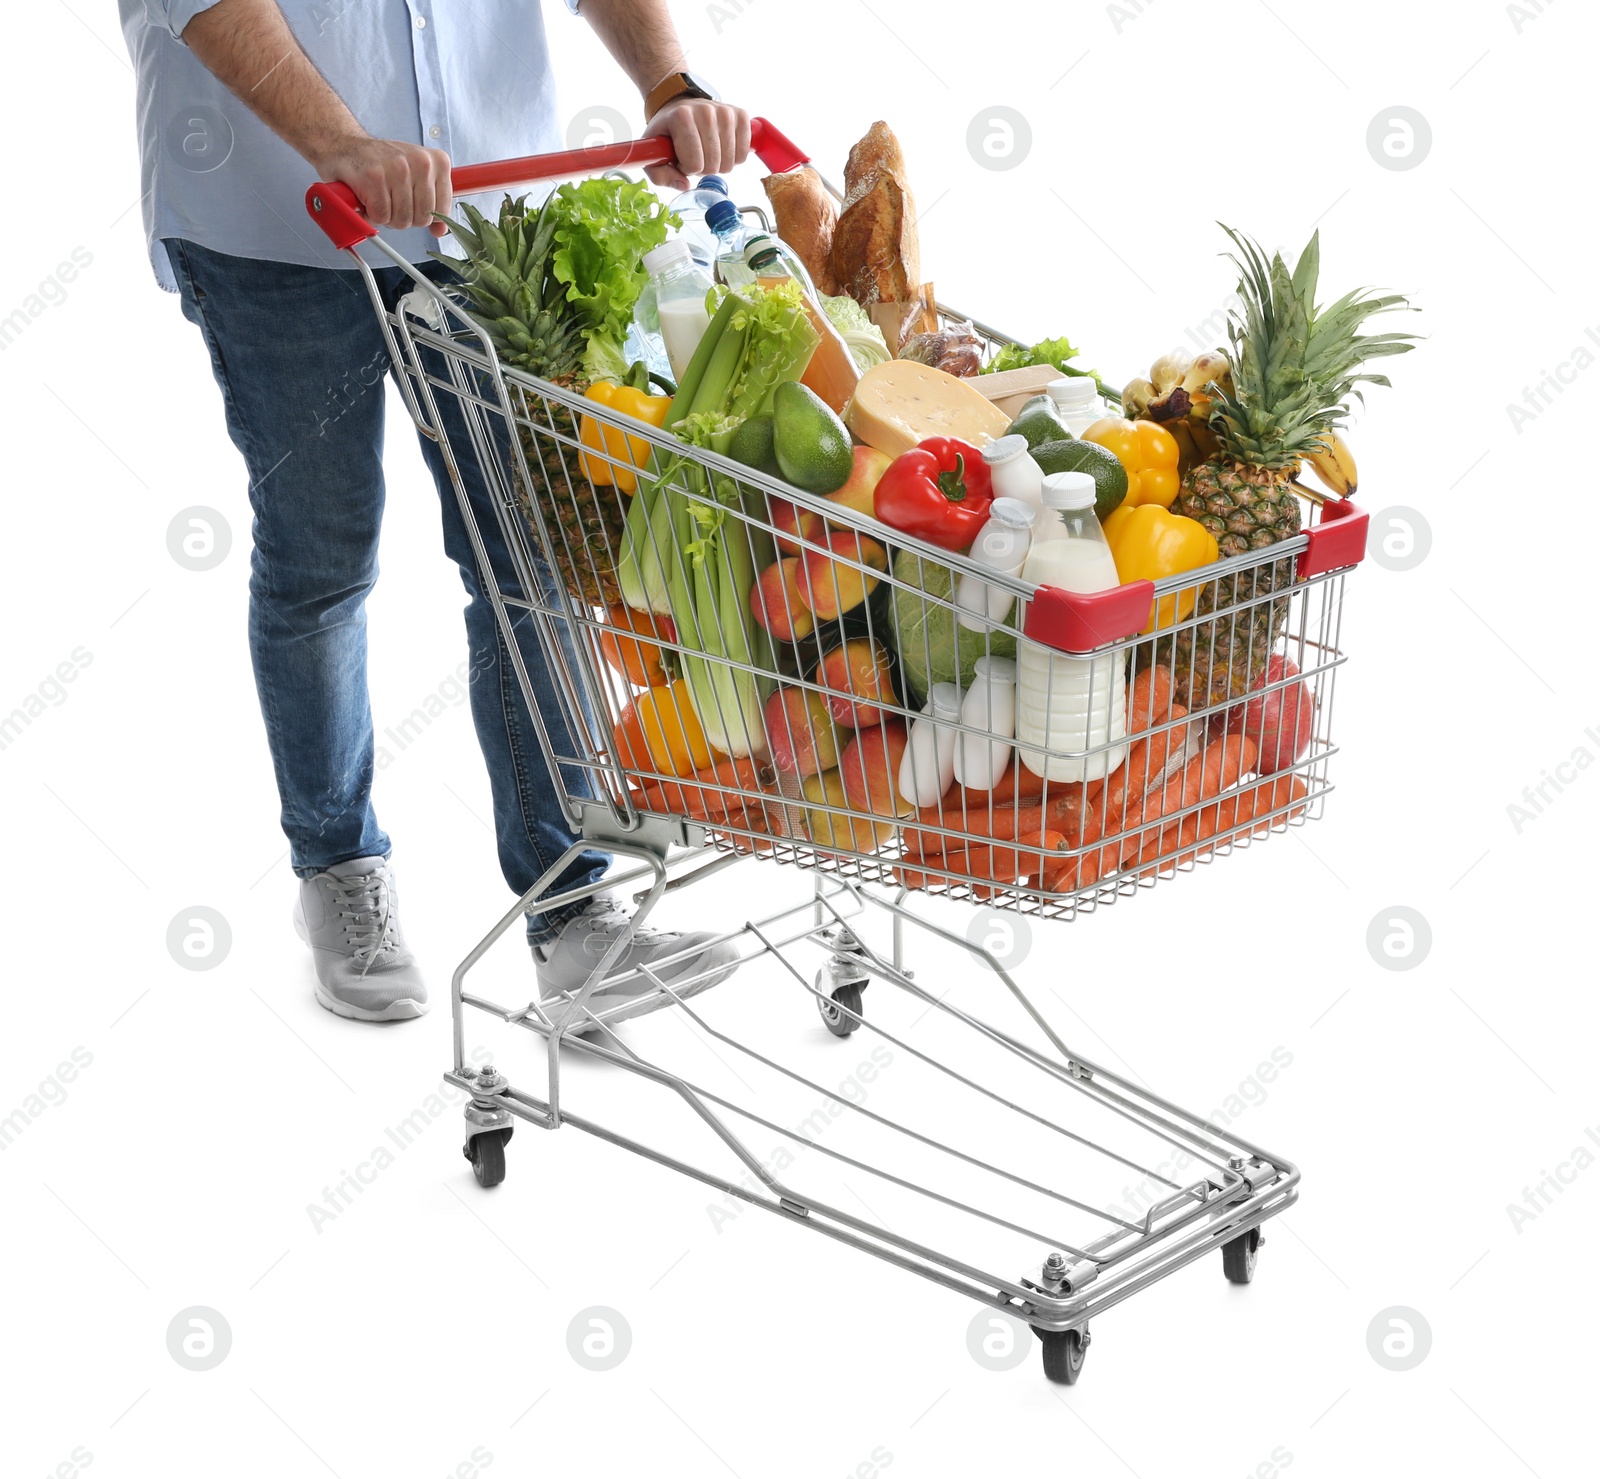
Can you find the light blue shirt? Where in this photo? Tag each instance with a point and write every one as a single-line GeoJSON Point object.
{"type": "Point", "coordinates": [472, 79]}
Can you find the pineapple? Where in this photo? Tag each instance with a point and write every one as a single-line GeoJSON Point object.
{"type": "Point", "coordinates": [1294, 367]}
{"type": "Point", "coordinates": [524, 310]}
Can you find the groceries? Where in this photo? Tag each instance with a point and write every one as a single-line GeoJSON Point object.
{"type": "Point", "coordinates": [1078, 403]}
{"type": "Point", "coordinates": [1148, 543]}
{"type": "Point", "coordinates": [1071, 709]}
{"type": "Point", "coordinates": [691, 207]}
{"type": "Point", "coordinates": [1057, 354]}
{"type": "Point", "coordinates": [863, 337]}
{"type": "Point", "coordinates": [805, 215]}
{"type": "Point", "coordinates": [896, 405]}
{"type": "Point", "coordinates": [938, 491]}
{"type": "Point", "coordinates": [831, 370]}
{"type": "Point", "coordinates": [933, 646]}
{"type": "Point", "coordinates": [989, 723]}
{"type": "Point", "coordinates": [1012, 471]}
{"type": "Point", "coordinates": [679, 285]}
{"type": "Point", "coordinates": [1038, 422]}
{"type": "Point", "coordinates": [1001, 546]}
{"type": "Point", "coordinates": [1147, 452]}
{"type": "Point", "coordinates": [955, 349]}
{"type": "Point", "coordinates": [809, 443]}
{"type": "Point", "coordinates": [618, 453]}
{"type": "Point", "coordinates": [1100, 463]}
{"type": "Point", "coordinates": [929, 764]}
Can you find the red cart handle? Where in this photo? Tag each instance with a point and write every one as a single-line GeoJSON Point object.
{"type": "Point", "coordinates": [336, 210]}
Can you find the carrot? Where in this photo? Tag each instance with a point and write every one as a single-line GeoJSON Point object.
{"type": "Point", "coordinates": [1229, 821]}
{"type": "Point", "coordinates": [1211, 772]}
{"type": "Point", "coordinates": [983, 861]}
{"type": "Point", "coordinates": [1149, 699]}
{"type": "Point", "coordinates": [706, 795]}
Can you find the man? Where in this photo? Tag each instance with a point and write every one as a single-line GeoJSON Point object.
{"type": "Point", "coordinates": [242, 104]}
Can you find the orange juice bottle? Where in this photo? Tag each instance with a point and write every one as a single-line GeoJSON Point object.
{"type": "Point", "coordinates": [832, 372]}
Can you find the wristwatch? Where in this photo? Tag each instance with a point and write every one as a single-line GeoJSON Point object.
{"type": "Point", "coordinates": [677, 85]}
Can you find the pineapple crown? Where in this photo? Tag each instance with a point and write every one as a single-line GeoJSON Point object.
{"type": "Point", "coordinates": [1295, 365]}
{"type": "Point", "coordinates": [510, 283]}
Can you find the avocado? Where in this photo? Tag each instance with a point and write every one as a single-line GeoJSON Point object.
{"type": "Point", "coordinates": [752, 445]}
{"type": "Point", "coordinates": [1110, 478]}
{"type": "Point", "coordinates": [811, 443]}
{"type": "Point", "coordinates": [1039, 422]}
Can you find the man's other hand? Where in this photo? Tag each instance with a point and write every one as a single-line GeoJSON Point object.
{"type": "Point", "coordinates": [707, 138]}
{"type": "Point", "coordinates": [398, 185]}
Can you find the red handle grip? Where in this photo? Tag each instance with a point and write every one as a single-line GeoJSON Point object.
{"type": "Point", "coordinates": [337, 212]}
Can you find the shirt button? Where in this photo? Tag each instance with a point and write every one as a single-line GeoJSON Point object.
{"type": "Point", "coordinates": [434, 132]}
{"type": "Point", "coordinates": [422, 21]}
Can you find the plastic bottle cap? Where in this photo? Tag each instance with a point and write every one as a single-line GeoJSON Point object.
{"type": "Point", "coordinates": [658, 259]}
{"type": "Point", "coordinates": [996, 669]}
{"type": "Point", "coordinates": [758, 247]}
{"type": "Point", "coordinates": [1013, 511]}
{"type": "Point", "coordinates": [1003, 449]}
{"type": "Point", "coordinates": [714, 182]}
{"type": "Point", "coordinates": [1071, 389]}
{"type": "Point", "coordinates": [1068, 490]}
{"type": "Point", "coordinates": [944, 699]}
{"type": "Point", "coordinates": [721, 214]}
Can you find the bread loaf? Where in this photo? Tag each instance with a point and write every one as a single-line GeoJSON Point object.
{"type": "Point", "coordinates": [875, 256]}
{"type": "Point", "coordinates": [804, 215]}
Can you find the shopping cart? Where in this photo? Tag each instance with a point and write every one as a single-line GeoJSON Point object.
{"type": "Point", "coordinates": [1100, 1187]}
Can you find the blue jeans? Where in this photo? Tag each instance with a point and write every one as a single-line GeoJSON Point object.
{"type": "Point", "coordinates": [300, 359]}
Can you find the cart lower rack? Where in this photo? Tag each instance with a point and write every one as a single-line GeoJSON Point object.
{"type": "Point", "coordinates": [1102, 1188]}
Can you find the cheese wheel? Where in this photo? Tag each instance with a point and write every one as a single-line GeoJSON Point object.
{"type": "Point", "coordinates": [899, 403]}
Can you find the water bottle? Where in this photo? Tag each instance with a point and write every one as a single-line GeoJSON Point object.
{"type": "Point", "coordinates": [991, 708]}
{"type": "Point", "coordinates": [678, 286]}
{"type": "Point", "coordinates": [1078, 402]}
{"type": "Point", "coordinates": [928, 764]}
{"type": "Point", "coordinates": [1001, 546]}
{"type": "Point", "coordinates": [692, 207]}
{"type": "Point", "coordinates": [1069, 706]}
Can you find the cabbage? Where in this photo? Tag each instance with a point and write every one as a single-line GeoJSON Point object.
{"type": "Point", "coordinates": [862, 337]}
{"type": "Point", "coordinates": [933, 646]}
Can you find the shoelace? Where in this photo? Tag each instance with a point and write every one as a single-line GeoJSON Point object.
{"type": "Point", "coordinates": [363, 904]}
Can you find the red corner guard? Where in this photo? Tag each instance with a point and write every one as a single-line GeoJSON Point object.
{"type": "Point", "coordinates": [1337, 539]}
{"type": "Point", "coordinates": [337, 212]}
{"type": "Point", "coordinates": [1072, 623]}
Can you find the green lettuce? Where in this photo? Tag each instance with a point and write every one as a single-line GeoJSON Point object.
{"type": "Point", "coordinates": [1053, 352]}
{"type": "Point", "coordinates": [604, 226]}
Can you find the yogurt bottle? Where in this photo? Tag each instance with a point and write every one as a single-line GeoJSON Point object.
{"type": "Point", "coordinates": [1078, 402]}
{"type": "Point", "coordinates": [927, 765]}
{"type": "Point", "coordinates": [1068, 706]}
{"type": "Point", "coordinates": [991, 708]}
{"type": "Point", "coordinates": [1001, 546]}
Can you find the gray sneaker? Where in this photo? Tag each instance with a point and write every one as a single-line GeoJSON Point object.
{"type": "Point", "coordinates": [350, 917]}
{"type": "Point", "coordinates": [674, 958]}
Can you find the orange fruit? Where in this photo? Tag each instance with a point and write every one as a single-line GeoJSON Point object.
{"type": "Point", "coordinates": [660, 731]}
{"type": "Point", "coordinates": [641, 663]}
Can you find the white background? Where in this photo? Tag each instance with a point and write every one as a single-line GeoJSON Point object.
{"type": "Point", "coordinates": [422, 1324]}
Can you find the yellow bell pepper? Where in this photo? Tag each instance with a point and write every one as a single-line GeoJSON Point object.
{"type": "Point", "coordinates": [1148, 453]}
{"type": "Point", "coordinates": [623, 451]}
{"type": "Point", "coordinates": [1148, 543]}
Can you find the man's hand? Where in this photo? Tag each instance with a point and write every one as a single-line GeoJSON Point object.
{"type": "Point", "coordinates": [398, 185]}
{"type": "Point", "coordinates": [707, 138]}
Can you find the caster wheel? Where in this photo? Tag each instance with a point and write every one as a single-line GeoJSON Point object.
{"type": "Point", "coordinates": [487, 1152]}
{"type": "Point", "coordinates": [1064, 1353]}
{"type": "Point", "coordinates": [1239, 1257]}
{"type": "Point", "coordinates": [848, 996]}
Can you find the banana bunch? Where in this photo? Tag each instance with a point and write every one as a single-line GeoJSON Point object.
{"type": "Point", "coordinates": [1335, 465]}
{"type": "Point", "coordinates": [1179, 395]}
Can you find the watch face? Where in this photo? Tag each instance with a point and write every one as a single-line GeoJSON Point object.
{"type": "Point", "coordinates": [704, 86]}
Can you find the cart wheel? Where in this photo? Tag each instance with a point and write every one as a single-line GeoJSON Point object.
{"type": "Point", "coordinates": [848, 996]}
{"type": "Point", "coordinates": [487, 1152]}
{"type": "Point", "coordinates": [1064, 1352]}
{"type": "Point", "coordinates": [1239, 1257]}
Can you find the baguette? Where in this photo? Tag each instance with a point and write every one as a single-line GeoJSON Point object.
{"type": "Point", "coordinates": [875, 256]}
{"type": "Point", "coordinates": [805, 216]}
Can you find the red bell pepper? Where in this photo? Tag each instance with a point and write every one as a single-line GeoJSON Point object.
{"type": "Point", "coordinates": [940, 491]}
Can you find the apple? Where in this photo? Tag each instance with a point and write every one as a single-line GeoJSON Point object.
{"type": "Point", "coordinates": [856, 494]}
{"type": "Point", "coordinates": [838, 579]}
{"type": "Point", "coordinates": [789, 519]}
{"type": "Point", "coordinates": [858, 675]}
{"type": "Point", "coordinates": [870, 768]}
{"type": "Point", "coordinates": [830, 830]}
{"type": "Point", "coordinates": [1279, 720]}
{"type": "Point", "coordinates": [801, 732]}
{"type": "Point", "coordinates": [778, 604]}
